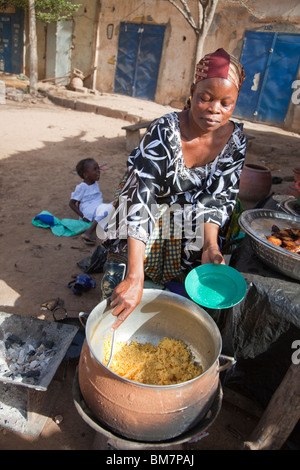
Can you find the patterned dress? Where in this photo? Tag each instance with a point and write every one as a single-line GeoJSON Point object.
{"type": "Point", "coordinates": [157, 182]}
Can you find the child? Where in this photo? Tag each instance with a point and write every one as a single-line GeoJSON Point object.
{"type": "Point", "coordinates": [86, 201]}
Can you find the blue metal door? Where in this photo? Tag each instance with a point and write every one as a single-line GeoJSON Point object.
{"type": "Point", "coordinates": [5, 44]}
{"type": "Point", "coordinates": [139, 54]}
{"type": "Point", "coordinates": [271, 62]}
{"type": "Point", "coordinates": [11, 41]}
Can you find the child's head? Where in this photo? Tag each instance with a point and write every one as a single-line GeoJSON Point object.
{"type": "Point", "coordinates": [88, 169]}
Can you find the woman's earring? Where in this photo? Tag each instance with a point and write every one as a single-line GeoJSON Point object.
{"type": "Point", "coordinates": [188, 103]}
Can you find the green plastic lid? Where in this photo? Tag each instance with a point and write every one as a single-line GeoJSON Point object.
{"type": "Point", "coordinates": [215, 286]}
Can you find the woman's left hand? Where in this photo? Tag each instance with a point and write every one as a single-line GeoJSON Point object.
{"type": "Point", "coordinates": [210, 251]}
{"type": "Point", "coordinates": [212, 255]}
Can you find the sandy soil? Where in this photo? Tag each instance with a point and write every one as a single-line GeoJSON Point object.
{"type": "Point", "coordinates": [40, 146]}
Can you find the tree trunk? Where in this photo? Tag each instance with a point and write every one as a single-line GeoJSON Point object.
{"type": "Point", "coordinates": [206, 11]}
{"type": "Point", "coordinates": [33, 48]}
{"type": "Point", "coordinates": [199, 48]}
{"type": "Point", "coordinates": [207, 18]}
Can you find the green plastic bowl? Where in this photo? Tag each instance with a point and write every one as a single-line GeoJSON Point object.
{"type": "Point", "coordinates": [215, 286]}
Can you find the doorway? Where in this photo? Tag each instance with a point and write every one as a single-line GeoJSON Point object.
{"type": "Point", "coordinates": [139, 55]}
{"type": "Point", "coordinates": [11, 41]}
{"type": "Point", "coordinates": [59, 47]}
{"type": "Point", "coordinates": [271, 63]}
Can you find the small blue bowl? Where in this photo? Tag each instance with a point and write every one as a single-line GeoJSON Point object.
{"type": "Point", "coordinates": [215, 286]}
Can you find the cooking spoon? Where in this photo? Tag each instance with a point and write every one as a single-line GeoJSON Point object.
{"type": "Point", "coordinates": [114, 331]}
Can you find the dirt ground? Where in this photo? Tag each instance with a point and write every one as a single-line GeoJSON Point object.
{"type": "Point", "coordinates": [40, 146]}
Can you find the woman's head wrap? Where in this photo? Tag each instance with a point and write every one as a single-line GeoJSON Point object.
{"type": "Point", "coordinates": [220, 64]}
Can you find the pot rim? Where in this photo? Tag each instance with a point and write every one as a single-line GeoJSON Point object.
{"type": "Point", "coordinates": [164, 387]}
{"type": "Point", "coordinates": [257, 167]}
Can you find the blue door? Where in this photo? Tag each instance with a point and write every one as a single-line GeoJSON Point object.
{"type": "Point", "coordinates": [11, 41]}
{"type": "Point", "coordinates": [139, 54]}
{"type": "Point", "coordinates": [271, 62]}
{"type": "Point", "coordinates": [5, 43]}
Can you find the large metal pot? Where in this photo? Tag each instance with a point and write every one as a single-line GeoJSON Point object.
{"type": "Point", "coordinates": [151, 412]}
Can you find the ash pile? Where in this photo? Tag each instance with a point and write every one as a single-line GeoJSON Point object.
{"type": "Point", "coordinates": [22, 361]}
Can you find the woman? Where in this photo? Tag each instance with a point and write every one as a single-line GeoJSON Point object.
{"type": "Point", "coordinates": [189, 161]}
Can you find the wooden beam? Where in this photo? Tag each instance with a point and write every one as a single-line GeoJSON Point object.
{"type": "Point", "coordinates": [280, 416]}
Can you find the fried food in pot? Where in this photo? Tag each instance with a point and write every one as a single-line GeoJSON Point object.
{"type": "Point", "coordinates": [287, 238]}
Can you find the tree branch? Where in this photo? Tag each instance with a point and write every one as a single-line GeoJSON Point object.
{"type": "Point", "coordinates": [186, 14]}
{"type": "Point", "coordinates": [208, 18]}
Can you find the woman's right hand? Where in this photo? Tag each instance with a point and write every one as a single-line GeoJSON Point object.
{"type": "Point", "coordinates": [125, 298]}
{"type": "Point", "coordinates": [127, 295]}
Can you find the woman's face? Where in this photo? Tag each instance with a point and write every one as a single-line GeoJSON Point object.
{"type": "Point", "coordinates": [213, 102]}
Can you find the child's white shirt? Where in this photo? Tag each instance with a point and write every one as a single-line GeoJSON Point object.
{"type": "Point", "coordinates": [89, 197]}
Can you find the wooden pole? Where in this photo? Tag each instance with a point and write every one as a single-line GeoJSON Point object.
{"type": "Point", "coordinates": [281, 415]}
{"type": "Point", "coordinates": [33, 48]}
